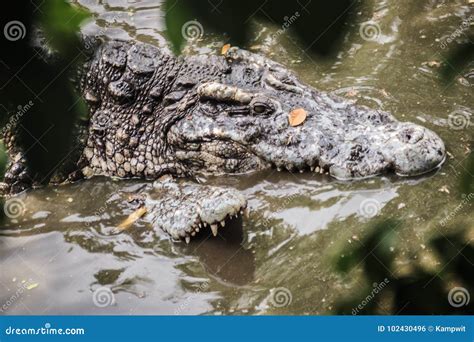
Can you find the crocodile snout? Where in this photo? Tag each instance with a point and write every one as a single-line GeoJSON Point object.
{"type": "Point", "coordinates": [416, 150]}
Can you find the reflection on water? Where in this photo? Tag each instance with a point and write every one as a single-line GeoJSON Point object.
{"type": "Point", "coordinates": [62, 254]}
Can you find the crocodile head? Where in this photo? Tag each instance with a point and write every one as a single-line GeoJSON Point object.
{"type": "Point", "coordinates": [242, 123]}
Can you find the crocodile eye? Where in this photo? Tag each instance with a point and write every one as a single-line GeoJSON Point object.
{"type": "Point", "coordinates": [259, 108]}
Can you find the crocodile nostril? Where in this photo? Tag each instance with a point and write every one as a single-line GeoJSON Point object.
{"type": "Point", "coordinates": [411, 135]}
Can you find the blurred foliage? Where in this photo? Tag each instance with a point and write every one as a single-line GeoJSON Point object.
{"type": "Point", "coordinates": [61, 33]}
{"type": "Point", "coordinates": [3, 160]}
{"type": "Point", "coordinates": [467, 177]}
{"type": "Point", "coordinates": [36, 95]}
{"type": "Point", "coordinates": [415, 291]}
{"type": "Point", "coordinates": [458, 58]}
{"type": "Point", "coordinates": [378, 243]}
{"type": "Point", "coordinates": [320, 25]}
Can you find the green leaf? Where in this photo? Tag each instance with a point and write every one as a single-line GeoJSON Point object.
{"type": "Point", "coordinates": [467, 178]}
{"type": "Point", "coordinates": [374, 249]}
{"type": "Point", "coordinates": [3, 160]}
{"type": "Point", "coordinates": [458, 58]}
{"type": "Point", "coordinates": [61, 22]}
{"type": "Point", "coordinates": [176, 16]}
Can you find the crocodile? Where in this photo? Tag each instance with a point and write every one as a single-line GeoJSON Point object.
{"type": "Point", "coordinates": [153, 114]}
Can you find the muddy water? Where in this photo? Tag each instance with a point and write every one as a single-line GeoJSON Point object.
{"type": "Point", "coordinates": [63, 255]}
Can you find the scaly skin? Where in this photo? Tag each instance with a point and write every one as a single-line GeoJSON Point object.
{"type": "Point", "coordinates": [152, 114]}
{"type": "Point", "coordinates": [183, 209]}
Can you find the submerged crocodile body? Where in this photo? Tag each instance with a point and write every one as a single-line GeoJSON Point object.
{"type": "Point", "coordinates": [153, 114]}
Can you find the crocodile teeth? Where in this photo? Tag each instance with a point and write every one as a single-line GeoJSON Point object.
{"type": "Point", "coordinates": [279, 169]}
{"type": "Point", "coordinates": [214, 229]}
{"type": "Point", "coordinates": [317, 169]}
{"type": "Point", "coordinates": [312, 168]}
{"type": "Point", "coordinates": [197, 230]}
{"type": "Point", "coordinates": [188, 239]}
{"type": "Point", "coordinates": [193, 233]}
{"type": "Point", "coordinates": [200, 225]}
{"type": "Point", "coordinates": [223, 223]}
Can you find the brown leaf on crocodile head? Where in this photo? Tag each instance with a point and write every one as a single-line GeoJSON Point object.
{"type": "Point", "coordinates": [297, 117]}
